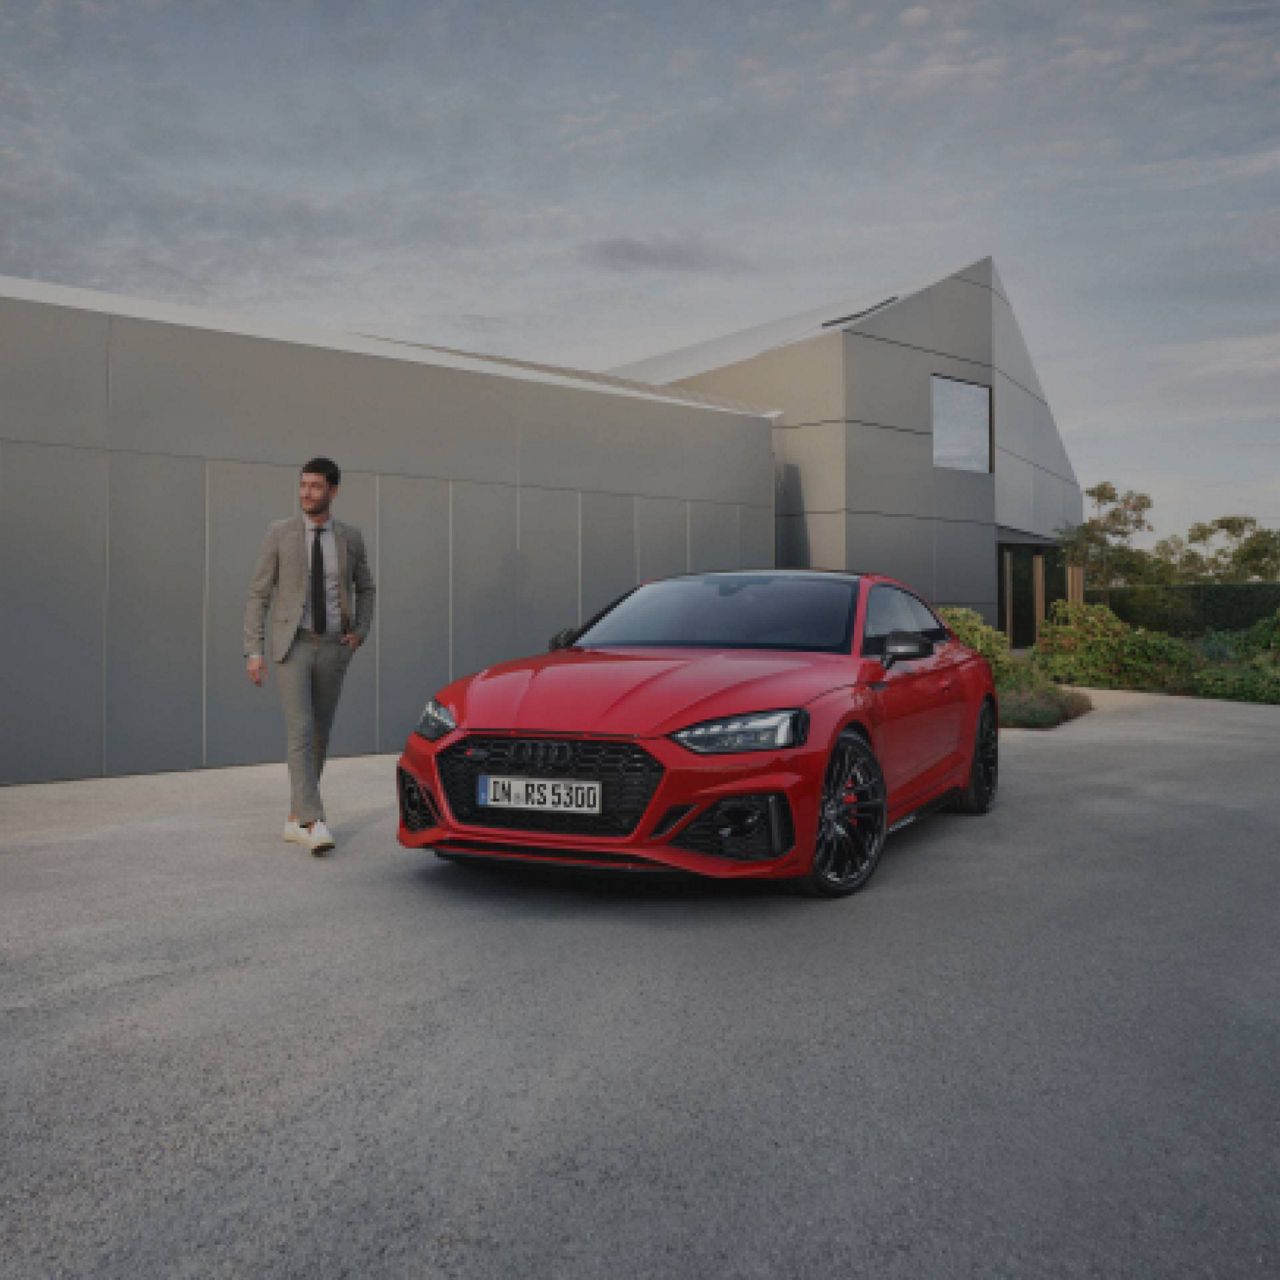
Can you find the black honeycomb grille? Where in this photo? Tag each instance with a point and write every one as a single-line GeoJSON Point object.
{"type": "Point", "coordinates": [711, 832]}
{"type": "Point", "coordinates": [628, 777]}
{"type": "Point", "coordinates": [417, 812]}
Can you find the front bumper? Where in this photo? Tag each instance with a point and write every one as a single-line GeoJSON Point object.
{"type": "Point", "coordinates": [696, 796]}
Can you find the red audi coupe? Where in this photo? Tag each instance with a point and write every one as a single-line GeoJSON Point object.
{"type": "Point", "coordinates": [773, 725]}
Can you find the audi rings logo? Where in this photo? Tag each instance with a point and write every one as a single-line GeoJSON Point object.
{"type": "Point", "coordinates": [542, 755]}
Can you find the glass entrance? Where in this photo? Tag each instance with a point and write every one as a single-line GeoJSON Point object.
{"type": "Point", "coordinates": [1030, 579]}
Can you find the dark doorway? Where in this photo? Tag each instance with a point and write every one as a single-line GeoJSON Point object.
{"type": "Point", "coordinates": [1030, 579]}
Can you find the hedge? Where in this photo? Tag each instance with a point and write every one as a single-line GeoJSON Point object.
{"type": "Point", "coordinates": [1193, 609]}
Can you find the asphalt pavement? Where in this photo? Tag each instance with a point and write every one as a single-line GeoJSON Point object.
{"type": "Point", "coordinates": [1044, 1042]}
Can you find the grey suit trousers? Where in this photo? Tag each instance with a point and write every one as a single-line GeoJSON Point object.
{"type": "Point", "coordinates": [310, 679]}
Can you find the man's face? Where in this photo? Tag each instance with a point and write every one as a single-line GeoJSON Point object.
{"type": "Point", "coordinates": [314, 494]}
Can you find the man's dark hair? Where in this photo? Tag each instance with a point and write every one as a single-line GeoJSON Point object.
{"type": "Point", "coordinates": [324, 467]}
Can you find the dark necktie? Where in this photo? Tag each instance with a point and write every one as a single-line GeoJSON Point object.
{"type": "Point", "coordinates": [318, 600]}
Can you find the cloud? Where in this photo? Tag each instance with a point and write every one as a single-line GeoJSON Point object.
{"type": "Point", "coordinates": [1201, 171]}
{"type": "Point", "coordinates": [661, 253]}
{"type": "Point", "coordinates": [684, 61]}
{"type": "Point", "coordinates": [427, 170]}
{"type": "Point", "coordinates": [1196, 386]}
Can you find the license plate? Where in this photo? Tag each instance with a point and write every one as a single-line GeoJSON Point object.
{"type": "Point", "coordinates": [563, 796]}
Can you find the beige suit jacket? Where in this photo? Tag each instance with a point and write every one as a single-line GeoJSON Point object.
{"type": "Point", "coordinates": [283, 568]}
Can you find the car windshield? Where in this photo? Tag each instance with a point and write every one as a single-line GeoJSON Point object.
{"type": "Point", "coordinates": [732, 611]}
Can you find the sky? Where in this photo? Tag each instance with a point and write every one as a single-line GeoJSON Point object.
{"type": "Point", "coordinates": [591, 183]}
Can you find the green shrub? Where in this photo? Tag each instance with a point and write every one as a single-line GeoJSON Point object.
{"type": "Point", "coordinates": [1028, 700]}
{"type": "Point", "coordinates": [1080, 644]}
{"type": "Point", "coordinates": [1042, 706]}
{"type": "Point", "coordinates": [992, 644]}
{"type": "Point", "coordinates": [1219, 646]}
{"type": "Point", "coordinates": [1253, 683]}
{"type": "Point", "coordinates": [1087, 644]}
{"type": "Point", "coordinates": [1152, 660]}
{"type": "Point", "coordinates": [1262, 639]}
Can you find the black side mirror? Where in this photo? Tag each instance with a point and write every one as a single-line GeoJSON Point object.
{"type": "Point", "coordinates": [562, 639]}
{"type": "Point", "coordinates": [905, 646]}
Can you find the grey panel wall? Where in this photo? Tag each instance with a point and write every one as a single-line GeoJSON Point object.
{"type": "Point", "coordinates": [811, 467]}
{"type": "Point", "coordinates": [963, 556]}
{"type": "Point", "coordinates": [756, 537]}
{"type": "Point", "coordinates": [1025, 426]}
{"type": "Point", "coordinates": [888, 384]}
{"type": "Point", "coordinates": [889, 471]}
{"type": "Point", "coordinates": [816, 540]}
{"type": "Point", "coordinates": [954, 316]}
{"type": "Point", "coordinates": [1010, 349]}
{"type": "Point", "coordinates": [242, 721]}
{"type": "Point", "coordinates": [495, 509]}
{"type": "Point", "coordinates": [1014, 481]}
{"type": "Point", "coordinates": [155, 614]}
{"type": "Point", "coordinates": [547, 566]}
{"type": "Point", "coordinates": [713, 537]}
{"type": "Point", "coordinates": [53, 373]}
{"type": "Point", "coordinates": [963, 495]}
{"type": "Point", "coordinates": [608, 549]}
{"type": "Point", "coordinates": [411, 635]}
{"type": "Point", "coordinates": [932, 527]}
{"type": "Point", "coordinates": [901, 546]}
{"type": "Point", "coordinates": [181, 390]}
{"type": "Point", "coordinates": [53, 516]}
{"type": "Point", "coordinates": [662, 537]}
{"type": "Point", "coordinates": [484, 574]}
{"type": "Point", "coordinates": [802, 381]}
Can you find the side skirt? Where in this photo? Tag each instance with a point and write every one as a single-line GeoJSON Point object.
{"type": "Point", "coordinates": [930, 806]}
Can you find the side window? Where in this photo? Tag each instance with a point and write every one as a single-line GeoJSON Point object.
{"type": "Point", "coordinates": [888, 609]}
{"type": "Point", "coordinates": [927, 622]}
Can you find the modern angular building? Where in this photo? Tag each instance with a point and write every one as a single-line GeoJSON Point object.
{"type": "Point", "coordinates": [913, 438]}
{"type": "Point", "coordinates": [144, 449]}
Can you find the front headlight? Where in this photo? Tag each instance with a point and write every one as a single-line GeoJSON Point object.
{"type": "Point", "coordinates": [435, 721]}
{"type": "Point", "coordinates": [758, 731]}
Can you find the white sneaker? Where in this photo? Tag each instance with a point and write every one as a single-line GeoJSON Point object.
{"type": "Point", "coordinates": [295, 833]}
{"type": "Point", "coordinates": [318, 839]}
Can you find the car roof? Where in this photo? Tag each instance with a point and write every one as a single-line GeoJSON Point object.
{"type": "Point", "coordinates": [774, 573]}
{"type": "Point", "coordinates": [846, 575]}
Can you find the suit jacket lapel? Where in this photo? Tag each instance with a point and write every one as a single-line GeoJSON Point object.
{"type": "Point", "coordinates": [340, 541]}
{"type": "Point", "coordinates": [298, 532]}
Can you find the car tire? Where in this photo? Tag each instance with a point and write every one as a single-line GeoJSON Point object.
{"type": "Point", "coordinates": [984, 771]}
{"type": "Point", "coordinates": [853, 820]}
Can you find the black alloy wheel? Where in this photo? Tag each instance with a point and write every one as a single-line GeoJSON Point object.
{"type": "Point", "coordinates": [984, 773]}
{"type": "Point", "coordinates": [852, 820]}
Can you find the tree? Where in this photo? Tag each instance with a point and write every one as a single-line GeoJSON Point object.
{"type": "Point", "coordinates": [1100, 544]}
{"type": "Point", "coordinates": [1257, 556]}
{"type": "Point", "coordinates": [1172, 560]}
{"type": "Point", "coordinates": [1229, 549]}
{"type": "Point", "coordinates": [1236, 549]}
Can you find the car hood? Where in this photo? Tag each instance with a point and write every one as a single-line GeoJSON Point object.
{"type": "Point", "coordinates": [639, 692]}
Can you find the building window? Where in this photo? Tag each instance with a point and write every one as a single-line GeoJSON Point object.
{"type": "Point", "coordinates": [962, 430]}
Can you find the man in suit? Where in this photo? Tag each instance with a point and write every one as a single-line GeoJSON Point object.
{"type": "Point", "coordinates": [315, 565]}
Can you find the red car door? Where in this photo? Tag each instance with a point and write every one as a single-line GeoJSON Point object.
{"type": "Point", "coordinates": [947, 735]}
{"type": "Point", "coordinates": [911, 741]}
